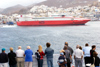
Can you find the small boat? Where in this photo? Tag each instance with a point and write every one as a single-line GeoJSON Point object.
{"type": "Point", "coordinates": [10, 23]}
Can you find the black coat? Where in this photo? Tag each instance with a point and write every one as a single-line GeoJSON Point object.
{"type": "Point", "coordinates": [12, 58]}
{"type": "Point", "coordinates": [3, 58]}
{"type": "Point", "coordinates": [97, 61]}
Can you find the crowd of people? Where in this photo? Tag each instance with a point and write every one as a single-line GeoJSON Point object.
{"type": "Point", "coordinates": [87, 53]}
{"type": "Point", "coordinates": [22, 58]}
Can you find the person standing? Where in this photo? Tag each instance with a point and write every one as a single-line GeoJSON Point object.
{"type": "Point", "coordinates": [28, 57]}
{"type": "Point", "coordinates": [91, 53]}
{"type": "Point", "coordinates": [78, 56]}
{"type": "Point", "coordinates": [49, 54]}
{"type": "Point", "coordinates": [37, 55]}
{"type": "Point", "coordinates": [3, 58]}
{"type": "Point", "coordinates": [12, 58]}
{"type": "Point", "coordinates": [86, 52]}
{"type": "Point", "coordinates": [41, 55]}
{"type": "Point", "coordinates": [69, 48]}
{"type": "Point", "coordinates": [20, 57]}
{"type": "Point", "coordinates": [68, 56]}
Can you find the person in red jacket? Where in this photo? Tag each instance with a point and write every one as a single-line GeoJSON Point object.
{"type": "Point", "coordinates": [41, 55]}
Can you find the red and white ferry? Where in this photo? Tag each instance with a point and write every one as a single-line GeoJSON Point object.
{"type": "Point", "coordinates": [49, 21]}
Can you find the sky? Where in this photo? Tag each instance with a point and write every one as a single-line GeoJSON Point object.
{"type": "Point", "coordinates": [9, 3]}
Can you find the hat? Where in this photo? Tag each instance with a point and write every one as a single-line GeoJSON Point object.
{"type": "Point", "coordinates": [3, 49]}
{"type": "Point", "coordinates": [61, 53]}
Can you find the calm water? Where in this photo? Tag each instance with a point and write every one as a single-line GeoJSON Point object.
{"type": "Point", "coordinates": [13, 36]}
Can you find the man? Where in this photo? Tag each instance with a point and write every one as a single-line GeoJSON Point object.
{"type": "Point", "coordinates": [49, 54]}
{"type": "Point", "coordinates": [3, 58]}
{"type": "Point", "coordinates": [69, 48]}
{"type": "Point", "coordinates": [28, 57]}
{"type": "Point", "coordinates": [91, 53]}
{"type": "Point", "coordinates": [12, 58]}
{"type": "Point", "coordinates": [20, 57]}
{"type": "Point", "coordinates": [68, 56]}
{"type": "Point", "coordinates": [78, 55]}
{"type": "Point", "coordinates": [86, 52]}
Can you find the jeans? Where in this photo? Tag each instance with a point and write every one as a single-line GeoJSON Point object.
{"type": "Point", "coordinates": [50, 62]}
{"type": "Point", "coordinates": [41, 63]}
{"type": "Point", "coordinates": [3, 64]}
{"type": "Point", "coordinates": [96, 66]}
{"type": "Point", "coordinates": [68, 62]}
{"type": "Point", "coordinates": [13, 65]}
{"type": "Point", "coordinates": [78, 62]}
{"type": "Point", "coordinates": [38, 62]}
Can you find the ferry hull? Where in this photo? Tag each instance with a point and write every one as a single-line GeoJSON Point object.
{"type": "Point", "coordinates": [50, 23]}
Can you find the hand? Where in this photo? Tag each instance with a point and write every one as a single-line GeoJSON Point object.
{"type": "Point", "coordinates": [58, 63]}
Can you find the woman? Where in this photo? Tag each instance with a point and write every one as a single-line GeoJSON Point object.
{"type": "Point", "coordinates": [41, 55]}
{"type": "Point", "coordinates": [62, 51]}
{"type": "Point", "coordinates": [12, 58]}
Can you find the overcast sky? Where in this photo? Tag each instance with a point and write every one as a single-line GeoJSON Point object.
{"type": "Point", "coordinates": [8, 3]}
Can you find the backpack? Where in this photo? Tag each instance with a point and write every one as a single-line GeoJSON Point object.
{"type": "Point", "coordinates": [37, 55]}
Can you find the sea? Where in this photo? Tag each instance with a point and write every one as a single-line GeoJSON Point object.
{"type": "Point", "coordinates": [33, 36]}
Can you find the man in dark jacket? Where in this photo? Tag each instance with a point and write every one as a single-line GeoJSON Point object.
{"type": "Point", "coordinates": [3, 58]}
{"type": "Point", "coordinates": [12, 58]}
{"type": "Point", "coordinates": [49, 54]}
{"type": "Point", "coordinates": [68, 48]}
{"type": "Point", "coordinates": [68, 56]}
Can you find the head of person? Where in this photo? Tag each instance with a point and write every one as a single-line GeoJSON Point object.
{"type": "Point", "coordinates": [66, 43]}
{"type": "Point", "coordinates": [40, 48]}
{"type": "Point", "coordinates": [77, 46]}
{"type": "Point", "coordinates": [95, 54]}
{"type": "Point", "coordinates": [62, 51]}
{"type": "Point", "coordinates": [80, 47]}
{"type": "Point", "coordinates": [28, 47]}
{"type": "Point", "coordinates": [86, 44]}
{"type": "Point", "coordinates": [65, 47]}
{"type": "Point", "coordinates": [93, 47]}
{"type": "Point", "coordinates": [48, 44]}
{"type": "Point", "coordinates": [3, 50]}
{"type": "Point", "coordinates": [11, 49]}
{"type": "Point", "coordinates": [19, 47]}
{"type": "Point", "coordinates": [61, 54]}
{"type": "Point", "coordinates": [37, 50]}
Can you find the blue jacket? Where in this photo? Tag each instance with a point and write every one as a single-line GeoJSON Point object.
{"type": "Point", "coordinates": [28, 55]}
{"type": "Point", "coordinates": [49, 52]}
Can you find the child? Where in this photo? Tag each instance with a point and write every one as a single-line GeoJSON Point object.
{"type": "Point", "coordinates": [37, 55]}
{"type": "Point", "coordinates": [61, 60]}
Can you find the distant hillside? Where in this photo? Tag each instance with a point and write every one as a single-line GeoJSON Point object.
{"type": "Point", "coordinates": [56, 3]}
{"type": "Point", "coordinates": [1, 9]}
{"type": "Point", "coordinates": [66, 3]}
{"type": "Point", "coordinates": [97, 4]}
{"type": "Point", "coordinates": [13, 9]}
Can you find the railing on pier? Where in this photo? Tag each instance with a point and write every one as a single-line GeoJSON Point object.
{"type": "Point", "coordinates": [55, 58]}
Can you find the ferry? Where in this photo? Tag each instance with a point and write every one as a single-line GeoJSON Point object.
{"type": "Point", "coordinates": [50, 21]}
